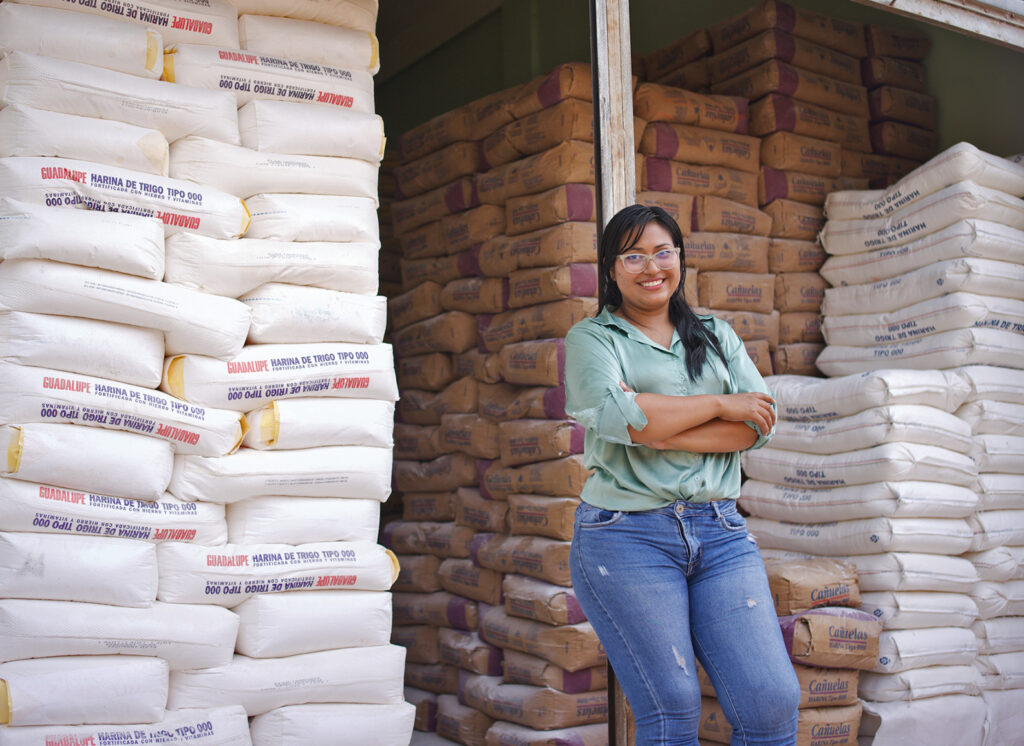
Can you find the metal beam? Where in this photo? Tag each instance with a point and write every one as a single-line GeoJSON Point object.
{"type": "Point", "coordinates": [615, 169]}
{"type": "Point", "coordinates": [997, 21]}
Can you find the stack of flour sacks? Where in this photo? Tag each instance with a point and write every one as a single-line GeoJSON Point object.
{"type": "Point", "coordinates": [165, 480]}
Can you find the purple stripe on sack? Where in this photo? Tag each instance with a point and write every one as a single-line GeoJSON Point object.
{"type": "Point", "coordinates": [560, 355]}
{"type": "Point", "coordinates": [481, 148]}
{"type": "Point", "coordinates": [659, 174]}
{"type": "Point", "coordinates": [666, 141]}
{"type": "Point", "coordinates": [583, 280]}
{"type": "Point", "coordinates": [494, 659]}
{"type": "Point", "coordinates": [456, 613]}
{"type": "Point", "coordinates": [785, 113]}
{"type": "Point", "coordinates": [789, 79]}
{"type": "Point", "coordinates": [574, 682]}
{"type": "Point", "coordinates": [694, 216]}
{"type": "Point", "coordinates": [468, 262]}
{"type": "Point", "coordinates": [387, 533]}
{"type": "Point", "coordinates": [549, 92]}
{"type": "Point", "coordinates": [785, 47]}
{"type": "Point", "coordinates": [464, 678]}
{"type": "Point", "coordinates": [431, 715]}
{"type": "Point", "coordinates": [572, 606]}
{"type": "Point", "coordinates": [554, 403]}
{"type": "Point", "coordinates": [483, 323]}
{"type": "Point", "coordinates": [774, 184]}
{"type": "Point", "coordinates": [579, 201]}
{"type": "Point", "coordinates": [453, 199]}
{"type": "Point", "coordinates": [785, 16]}
{"type": "Point", "coordinates": [482, 465]}
{"type": "Point", "coordinates": [576, 438]}
{"type": "Point", "coordinates": [571, 739]}
{"type": "Point", "coordinates": [476, 544]}
{"type": "Point", "coordinates": [504, 293]}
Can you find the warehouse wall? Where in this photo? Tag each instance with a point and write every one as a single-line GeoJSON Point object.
{"type": "Point", "coordinates": [976, 82]}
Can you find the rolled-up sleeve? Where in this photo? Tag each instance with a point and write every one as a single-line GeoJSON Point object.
{"type": "Point", "coordinates": [592, 393]}
{"type": "Point", "coordinates": [744, 375]}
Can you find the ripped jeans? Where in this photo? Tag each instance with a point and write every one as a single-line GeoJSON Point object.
{"type": "Point", "coordinates": [664, 586]}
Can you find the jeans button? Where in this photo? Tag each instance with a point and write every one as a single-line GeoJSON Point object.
{"type": "Point", "coordinates": [679, 509]}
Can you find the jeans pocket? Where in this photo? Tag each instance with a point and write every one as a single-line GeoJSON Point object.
{"type": "Point", "coordinates": [592, 517]}
{"type": "Point", "coordinates": [729, 517]}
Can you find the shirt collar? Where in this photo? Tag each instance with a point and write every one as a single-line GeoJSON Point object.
{"type": "Point", "coordinates": [608, 319]}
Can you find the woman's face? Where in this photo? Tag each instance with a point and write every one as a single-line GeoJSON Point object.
{"type": "Point", "coordinates": [651, 289]}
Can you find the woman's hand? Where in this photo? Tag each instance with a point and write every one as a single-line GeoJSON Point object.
{"type": "Point", "coordinates": [749, 407]}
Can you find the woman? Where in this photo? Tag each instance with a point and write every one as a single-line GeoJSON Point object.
{"type": "Point", "coordinates": [661, 560]}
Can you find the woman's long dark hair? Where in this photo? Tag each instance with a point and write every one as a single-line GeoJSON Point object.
{"type": "Point", "coordinates": [621, 234]}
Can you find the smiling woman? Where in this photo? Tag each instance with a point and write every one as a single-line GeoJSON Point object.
{"type": "Point", "coordinates": [661, 559]}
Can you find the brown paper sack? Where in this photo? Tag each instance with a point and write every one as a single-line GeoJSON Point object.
{"type": "Point", "coordinates": [534, 363]}
{"type": "Point", "coordinates": [420, 303]}
{"type": "Point", "coordinates": [418, 573]}
{"type": "Point", "coordinates": [420, 643]}
{"type": "Point", "coordinates": [559, 477]}
{"type": "Point", "coordinates": [528, 287]}
{"type": "Point", "coordinates": [733, 252]}
{"type": "Point", "coordinates": [466, 650]}
{"type": "Point", "coordinates": [799, 291]}
{"type": "Point", "coordinates": [462, 577]}
{"type": "Point", "coordinates": [418, 442]}
{"type": "Point", "coordinates": [527, 441]}
{"type": "Point", "coordinates": [522, 668]}
{"type": "Point", "coordinates": [431, 372]}
{"type": "Point", "coordinates": [469, 433]}
{"type": "Point", "coordinates": [533, 556]}
{"type": "Point", "coordinates": [778, 113]}
{"type": "Point", "coordinates": [789, 255]}
{"type": "Point", "coordinates": [797, 359]}
{"type": "Point", "coordinates": [573, 647]}
{"type": "Point", "coordinates": [539, 515]}
{"type": "Point", "coordinates": [795, 219]}
{"type": "Point", "coordinates": [478, 513]}
{"type": "Point", "coordinates": [448, 472]}
{"type": "Point", "coordinates": [483, 366]}
{"type": "Point", "coordinates": [562, 204]}
{"type": "Point", "coordinates": [799, 585]}
{"type": "Point", "coordinates": [736, 291]}
{"type": "Point", "coordinates": [800, 326]}
{"type": "Point", "coordinates": [529, 598]}
{"type": "Point", "coordinates": [428, 506]}
{"type": "Point", "coordinates": [789, 152]}
{"type": "Point", "coordinates": [460, 723]}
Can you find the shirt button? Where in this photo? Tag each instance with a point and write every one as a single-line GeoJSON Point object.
{"type": "Point", "coordinates": [679, 509]}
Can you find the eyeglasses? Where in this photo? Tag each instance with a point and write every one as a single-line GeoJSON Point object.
{"type": "Point", "coordinates": [637, 263]}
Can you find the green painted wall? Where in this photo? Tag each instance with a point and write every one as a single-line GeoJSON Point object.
{"type": "Point", "coordinates": [978, 84]}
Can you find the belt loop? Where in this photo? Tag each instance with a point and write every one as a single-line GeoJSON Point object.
{"type": "Point", "coordinates": [715, 507]}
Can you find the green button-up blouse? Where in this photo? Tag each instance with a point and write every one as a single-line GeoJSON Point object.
{"type": "Point", "coordinates": [600, 352]}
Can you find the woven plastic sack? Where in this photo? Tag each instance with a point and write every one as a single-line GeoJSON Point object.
{"type": "Point", "coordinates": [917, 609]}
{"type": "Point", "coordinates": [904, 649]}
{"type": "Point", "coordinates": [313, 42]}
{"type": "Point", "coordinates": [338, 724]}
{"type": "Point", "coordinates": [313, 217]}
{"type": "Point", "coordinates": [357, 14]}
{"type": "Point", "coordinates": [290, 313]}
{"type": "Point", "coordinates": [949, 536]}
{"type": "Point", "coordinates": [957, 718]}
{"type": "Point", "coordinates": [919, 683]}
{"type": "Point", "coordinates": [300, 520]}
{"type": "Point", "coordinates": [286, 424]}
{"type": "Point", "coordinates": [986, 416]}
{"type": "Point", "coordinates": [989, 382]}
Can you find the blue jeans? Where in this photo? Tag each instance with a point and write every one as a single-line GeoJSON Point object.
{"type": "Point", "coordinates": [664, 586]}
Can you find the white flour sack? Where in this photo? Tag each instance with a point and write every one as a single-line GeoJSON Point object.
{"type": "Point", "coordinates": [999, 453]}
{"type": "Point", "coordinates": [924, 217]}
{"type": "Point", "coordinates": [916, 609]}
{"type": "Point", "coordinates": [44, 395]}
{"type": "Point", "coordinates": [996, 528]}
{"type": "Point", "coordinates": [804, 398]}
{"type": "Point", "coordinates": [1000, 491]}
{"type": "Point", "coordinates": [955, 719]}
{"type": "Point", "coordinates": [262, 373]}
{"type": "Point", "coordinates": [1002, 670]}
{"type": "Point", "coordinates": [896, 422]}
{"type": "Point", "coordinates": [232, 268]}
{"type": "Point", "coordinates": [1000, 635]}
{"type": "Point", "coordinates": [89, 91]}
{"type": "Point", "coordinates": [996, 599]}
{"type": "Point", "coordinates": [370, 675]}
{"type": "Point", "coordinates": [986, 416]}
{"type": "Point", "coordinates": [36, 507]}
{"type": "Point", "coordinates": [131, 354]}
{"type": "Point", "coordinates": [108, 240]}
{"type": "Point", "coordinates": [180, 205]}
{"type": "Point", "coordinates": [337, 724]}
{"type": "Point", "coordinates": [313, 217]}
{"type": "Point", "coordinates": [865, 536]}
{"type": "Point", "coordinates": [185, 636]}
{"type": "Point", "coordinates": [198, 21]}
{"type": "Point", "coordinates": [919, 683]}
{"type": "Point", "coordinates": [109, 689]}
{"type": "Point", "coordinates": [904, 499]}
{"type": "Point", "coordinates": [106, 462]}
{"type": "Point", "coordinates": [77, 568]}
{"type": "Point", "coordinates": [886, 462]}
{"type": "Point", "coordinates": [907, 571]}
{"type": "Point", "coordinates": [233, 573]}
{"type": "Point", "coordinates": [998, 564]}
{"type": "Point", "coordinates": [220, 726]}
{"type": "Point", "coordinates": [287, 127]}
{"type": "Point", "coordinates": [942, 314]}
{"type": "Point", "coordinates": [1005, 714]}
{"type": "Point", "coordinates": [191, 321]}
{"type": "Point", "coordinates": [965, 238]}
{"type": "Point", "coordinates": [356, 14]}
{"type": "Point", "coordinates": [942, 350]}
{"type": "Point", "coordinates": [308, 423]}
{"type": "Point", "coordinates": [980, 276]}
{"type": "Point", "coordinates": [273, 626]}
{"type": "Point", "coordinates": [68, 35]}
{"type": "Point", "coordinates": [245, 172]}
{"type": "Point", "coordinates": [990, 382]}
{"type": "Point", "coordinates": [295, 39]}
{"type": "Point", "coordinates": [904, 649]}
{"type": "Point", "coordinates": [300, 520]}
{"type": "Point", "coordinates": [293, 313]}
{"type": "Point", "coordinates": [333, 471]}
{"type": "Point", "coordinates": [962, 162]}
{"type": "Point", "coordinates": [35, 132]}
{"type": "Point", "coordinates": [255, 75]}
